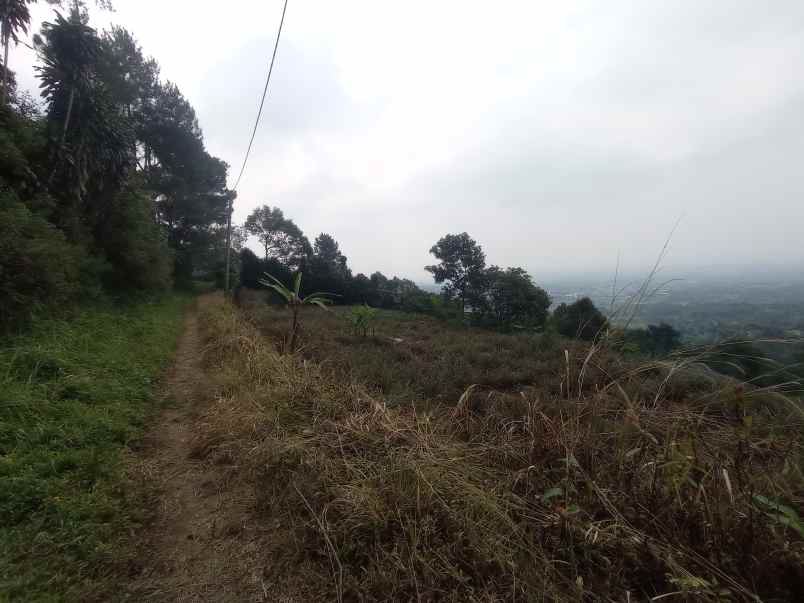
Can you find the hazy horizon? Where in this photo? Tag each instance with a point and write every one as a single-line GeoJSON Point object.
{"type": "Point", "coordinates": [558, 136]}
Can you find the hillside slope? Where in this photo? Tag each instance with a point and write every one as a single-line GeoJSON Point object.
{"type": "Point", "coordinates": [605, 491]}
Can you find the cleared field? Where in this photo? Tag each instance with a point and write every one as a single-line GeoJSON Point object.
{"type": "Point", "coordinates": [380, 470]}
{"type": "Point", "coordinates": [416, 358]}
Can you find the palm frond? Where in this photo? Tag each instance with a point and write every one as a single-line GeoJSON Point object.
{"type": "Point", "coordinates": [321, 303]}
{"type": "Point", "coordinates": [286, 294]}
{"type": "Point", "coordinates": [273, 278]}
{"type": "Point", "coordinates": [323, 294]}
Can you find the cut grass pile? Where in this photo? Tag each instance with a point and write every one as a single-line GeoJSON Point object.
{"type": "Point", "coordinates": [73, 394]}
{"type": "Point", "coordinates": [600, 491]}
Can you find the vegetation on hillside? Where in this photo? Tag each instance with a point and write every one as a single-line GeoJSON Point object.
{"type": "Point", "coordinates": [73, 395]}
{"type": "Point", "coordinates": [501, 299]}
{"type": "Point", "coordinates": [411, 358]}
{"type": "Point", "coordinates": [108, 198]}
{"type": "Point", "coordinates": [591, 479]}
{"type": "Point", "coordinates": [106, 188]}
{"type": "Point", "coordinates": [465, 445]}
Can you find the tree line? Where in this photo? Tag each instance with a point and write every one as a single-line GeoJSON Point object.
{"type": "Point", "coordinates": [106, 188]}
{"type": "Point", "coordinates": [286, 250]}
{"type": "Point", "coordinates": [491, 296]}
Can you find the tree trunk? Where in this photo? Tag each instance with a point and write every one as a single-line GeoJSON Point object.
{"type": "Point", "coordinates": [63, 135]}
{"type": "Point", "coordinates": [69, 114]}
{"type": "Point", "coordinates": [294, 328]}
{"type": "Point", "coordinates": [6, 39]}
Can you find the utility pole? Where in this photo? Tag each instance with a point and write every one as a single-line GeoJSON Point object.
{"type": "Point", "coordinates": [228, 245]}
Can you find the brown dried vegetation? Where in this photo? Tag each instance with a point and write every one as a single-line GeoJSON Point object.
{"type": "Point", "coordinates": [445, 481]}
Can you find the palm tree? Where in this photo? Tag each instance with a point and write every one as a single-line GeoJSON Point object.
{"type": "Point", "coordinates": [91, 143]}
{"type": "Point", "coordinates": [14, 18]}
{"type": "Point", "coordinates": [69, 53]}
{"type": "Point", "coordinates": [295, 301]}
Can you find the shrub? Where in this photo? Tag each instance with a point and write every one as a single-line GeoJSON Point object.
{"type": "Point", "coordinates": [580, 319]}
{"type": "Point", "coordinates": [512, 298]}
{"type": "Point", "coordinates": [362, 319]}
{"type": "Point", "coordinates": [135, 247]}
{"type": "Point", "coordinates": [38, 267]}
{"type": "Point", "coordinates": [656, 340]}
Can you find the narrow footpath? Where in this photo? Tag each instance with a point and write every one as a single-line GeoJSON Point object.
{"type": "Point", "coordinates": [195, 546]}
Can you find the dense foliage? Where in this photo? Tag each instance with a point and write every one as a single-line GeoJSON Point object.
{"type": "Point", "coordinates": [503, 299]}
{"type": "Point", "coordinates": [106, 188]}
{"type": "Point", "coordinates": [580, 319]}
{"type": "Point", "coordinates": [461, 268]}
{"type": "Point", "coordinates": [279, 236]}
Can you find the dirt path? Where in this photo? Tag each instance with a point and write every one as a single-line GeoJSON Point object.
{"type": "Point", "coordinates": [189, 551]}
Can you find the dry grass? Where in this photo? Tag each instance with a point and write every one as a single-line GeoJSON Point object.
{"type": "Point", "coordinates": [586, 487]}
{"type": "Point", "coordinates": [420, 359]}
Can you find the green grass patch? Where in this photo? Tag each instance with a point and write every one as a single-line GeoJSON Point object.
{"type": "Point", "coordinates": [73, 394]}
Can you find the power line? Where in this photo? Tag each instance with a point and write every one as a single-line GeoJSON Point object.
{"type": "Point", "coordinates": [264, 94]}
{"type": "Point", "coordinates": [248, 151]}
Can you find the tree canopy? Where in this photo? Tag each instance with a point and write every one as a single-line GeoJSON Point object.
{"type": "Point", "coordinates": [580, 319]}
{"type": "Point", "coordinates": [112, 176]}
{"type": "Point", "coordinates": [512, 297]}
{"type": "Point", "coordinates": [278, 235]}
{"type": "Point", "coordinates": [461, 267]}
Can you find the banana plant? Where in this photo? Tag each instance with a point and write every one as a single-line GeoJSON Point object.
{"type": "Point", "coordinates": [295, 301]}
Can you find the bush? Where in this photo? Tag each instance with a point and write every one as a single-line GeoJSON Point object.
{"type": "Point", "coordinates": [512, 298]}
{"type": "Point", "coordinates": [656, 340]}
{"type": "Point", "coordinates": [580, 319]}
{"type": "Point", "coordinates": [38, 267]}
{"type": "Point", "coordinates": [136, 247]}
{"type": "Point", "coordinates": [362, 319]}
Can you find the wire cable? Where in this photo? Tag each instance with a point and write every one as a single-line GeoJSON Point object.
{"type": "Point", "coordinates": [262, 102]}
{"type": "Point", "coordinates": [248, 152]}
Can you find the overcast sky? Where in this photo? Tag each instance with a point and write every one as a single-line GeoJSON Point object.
{"type": "Point", "coordinates": [558, 134]}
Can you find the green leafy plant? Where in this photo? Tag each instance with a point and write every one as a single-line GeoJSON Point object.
{"type": "Point", "coordinates": [362, 319]}
{"type": "Point", "coordinates": [782, 514]}
{"type": "Point", "coordinates": [295, 302]}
